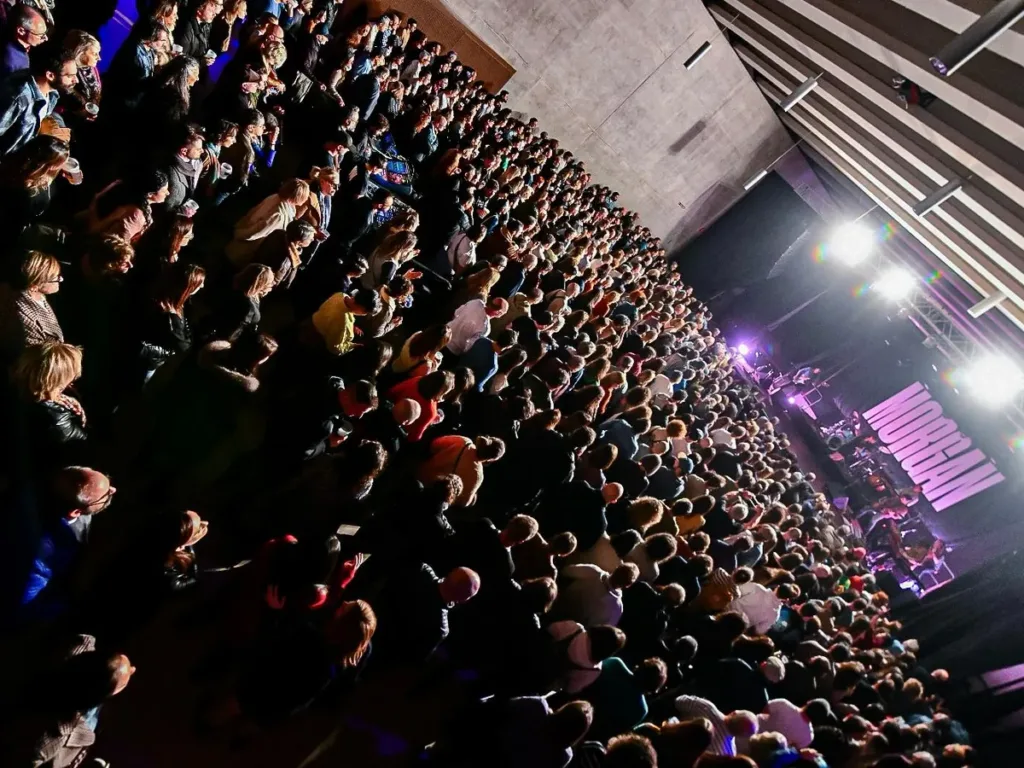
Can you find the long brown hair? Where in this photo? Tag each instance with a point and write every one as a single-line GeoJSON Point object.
{"type": "Point", "coordinates": [178, 283]}
{"type": "Point", "coordinates": [429, 340]}
{"type": "Point", "coordinates": [37, 163]}
{"type": "Point", "coordinates": [255, 280]}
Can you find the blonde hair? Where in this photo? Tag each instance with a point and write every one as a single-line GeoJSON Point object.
{"type": "Point", "coordinates": [275, 54]}
{"type": "Point", "coordinates": [255, 280]}
{"type": "Point", "coordinates": [77, 42]}
{"type": "Point", "coordinates": [352, 630]}
{"type": "Point", "coordinates": [47, 368]}
{"type": "Point", "coordinates": [330, 174]}
{"type": "Point", "coordinates": [38, 269]}
{"type": "Point", "coordinates": [295, 191]}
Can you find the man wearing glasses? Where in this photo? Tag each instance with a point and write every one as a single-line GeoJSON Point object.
{"type": "Point", "coordinates": [26, 28]}
{"type": "Point", "coordinates": [77, 494]}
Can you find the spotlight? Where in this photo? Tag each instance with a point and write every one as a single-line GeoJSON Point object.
{"type": "Point", "coordinates": [993, 379]}
{"type": "Point", "coordinates": [976, 37]}
{"type": "Point", "coordinates": [697, 55]}
{"type": "Point", "coordinates": [791, 400]}
{"type": "Point", "coordinates": [895, 283]}
{"type": "Point", "coordinates": [752, 181]}
{"type": "Point", "coordinates": [851, 243]}
{"type": "Point", "coordinates": [799, 93]}
{"type": "Point", "coordinates": [743, 349]}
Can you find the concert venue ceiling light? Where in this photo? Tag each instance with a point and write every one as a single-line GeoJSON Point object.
{"type": "Point", "coordinates": [976, 37]}
{"type": "Point", "coordinates": [994, 379]}
{"type": "Point", "coordinates": [752, 181]}
{"type": "Point", "coordinates": [895, 283]}
{"type": "Point", "coordinates": [697, 55]}
{"type": "Point", "coordinates": [799, 93]}
{"type": "Point", "coordinates": [851, 243]}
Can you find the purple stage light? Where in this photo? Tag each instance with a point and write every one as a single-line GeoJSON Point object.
{"type": "Point", "coordinates": [790, 400]}
{"type": "Point", "coordinates": [743, 349]}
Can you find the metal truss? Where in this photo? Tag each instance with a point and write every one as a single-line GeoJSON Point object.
{"type": "Point", "coordinates": [942, 333]}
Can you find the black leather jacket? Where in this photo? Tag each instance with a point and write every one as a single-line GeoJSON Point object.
{"type": "Point", "coordinates": [55, 423]}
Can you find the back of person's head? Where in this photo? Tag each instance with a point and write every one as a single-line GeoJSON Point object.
{"type": "Point", "coordinates": [624, 576]}
{"type": "Point", "coordinates": [299, 231]}
{"type": "Point", "coordinates": [630, 751]}
{"type": "Point", "coordinates": [741, 724]}
{"type": "Point", "coordinates": [819, 712]}
{"type": "Point", "coordinates": [682, 742]}
{"type": "Point", "coordinates": [442, 493]}
{"type": "Point", "coordinates": [295, 191]}
{"type": "Point", "coordinates": [763, 745]}
{"type": "Point", "coordinates": [605, 641]}
{"type": "Point", "coordinates": [46, 370]}
{"type": "Point", "coordinates": [568, 724]}
{"type": "Point", "coordinates": [519, 529]}
{"type": "Point", "coordinates": [645, 512]}
{"type": "Point", "coordinates": [651, 674]}
{"type": "Point", "coordinates": [660, 547]}
{"type": "Point", "coordinates": [350, 631]}
{"type": "Point", "coordinates": [753, 650]}
{"type": "Point", "coordinates": [848, 674]}
{"type": "Point", "coordinates": [539, 594]}
{"type": "Point", "coordinates": [461, 584]}
{"type": "Point", "coordinates": [489, 448]}
{"type": "Point", "coordinates": [603, 456]}
{"type": "Point", "coordinates": [562, 544]}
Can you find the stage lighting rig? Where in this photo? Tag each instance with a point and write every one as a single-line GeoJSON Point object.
{"type": "Point", "coordinates": [851, 243]}
{"type": "Point", "coordinates": [895, 283]}
{"type": "Point", "coordinates": [993, 379]}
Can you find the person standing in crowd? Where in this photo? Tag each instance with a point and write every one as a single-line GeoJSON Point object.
{"type": "Point", "coordinates": [29, 97]}
{"type": "Point", "coordinates": [27, 317]}
{"type": "Point", "coordinates": [25, 29]}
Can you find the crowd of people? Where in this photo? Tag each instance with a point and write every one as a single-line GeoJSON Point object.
{"type": "Point", "coordinates": [343, 324]}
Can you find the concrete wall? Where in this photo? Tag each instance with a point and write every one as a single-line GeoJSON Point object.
{"type": "Point", "coordinates": [606, 78]}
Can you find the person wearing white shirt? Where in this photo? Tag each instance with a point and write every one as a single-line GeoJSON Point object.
{"type": "Point", "coordinates": [472, 322]}
{"type": "Point", "coordinates": [590, 595]}
{"type": "Point", "coordinates": [722, 438]}
{"type": "Point", "coordinates": [759, 605]}
{"type": "Point", "coordinates": [587, 648]}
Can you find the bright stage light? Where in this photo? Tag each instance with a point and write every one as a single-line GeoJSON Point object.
{"type": "Point", "coordinates": [994, 380]}
{"type": "Point", "coordinates": [743, 349]}
{"type": "Point", "coordinates": [851, 243]}
{"type": "Point", "coordinates": [895, 283]}
{"type": "Point", "coordinates": [791, 400]}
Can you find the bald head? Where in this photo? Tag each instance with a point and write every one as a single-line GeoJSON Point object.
{"type": "Point", "coordinates": [27, 26]}
{"type": "Point", "coordinates": [460, 585]}
{"type": "Point", "coordinates": [612, 492]}
{"type": "Point", "coordinates": [406, 412]}
{"type": "Point", "coordinates": [81, 491]}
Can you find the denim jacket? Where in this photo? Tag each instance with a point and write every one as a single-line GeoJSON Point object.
{"type": "Point", "coordinates": [22, 109]}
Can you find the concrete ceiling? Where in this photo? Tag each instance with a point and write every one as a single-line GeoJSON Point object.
{"type": "Point", "coordinates": [606, 78]}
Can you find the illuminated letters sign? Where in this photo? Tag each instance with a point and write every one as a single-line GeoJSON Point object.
{"type": "Point", "coordinates": [930, 447]}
